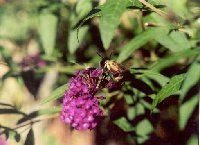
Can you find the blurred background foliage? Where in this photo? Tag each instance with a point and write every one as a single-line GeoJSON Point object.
{"type": "Point", "coordinates": [43, 42]}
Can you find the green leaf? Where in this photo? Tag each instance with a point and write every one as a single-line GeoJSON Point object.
{"type": "Point", "coordinates": [47, 30]}
{"type": "Point", "coordinates": [169, 60]}
{"type": "Point", "coordinates": [128, 99]}
{"type": "Point", "coordinates": [139, 109]}
{"type": "Point", "coordinates": [51, 110]}
{"type": "Point", "coordinates": [83, 7]}
{"type": "Point", "coordinates": [131, 112]}
{"type": "Point", "coordinates": [136, 43]}
{"type": "Point", "coordinates": [186, 110]}
{"type": "Point", "coordinates": [136, 110]}
{"type": "Point", "coordinates": [96, 12]}
{"type": "Point", "coordinates": [137, 3]}
{"type": "Point", "coordinates": [143, 129]}
{"type": "Point", "coordinates": [175, 41]}
{"type": "Point", "coordinates": [193, 140]}
{"type": "Point", "coordinates": [179, 8]}
{"type": "Point", "coordinates": [58, 93]}
{"type": "Point", "coordinates": [170, 88]}
{"type": "Point", "coordinates": [124, 124]}
{"type": "Point", "coordinates": [192, 77]}
{"type": "Point", "coordinates": [156, 2]}
{"type": "Point", "coordinates": [73, 40]}
{"type": "Point", "coordinates": [30, 138]}
{"type": "Point", "coordinates": [110, 19]}
{"type": "Point", "coordinates": [161, 79]}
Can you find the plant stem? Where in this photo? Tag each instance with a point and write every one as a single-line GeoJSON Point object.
{"type": "Point", "coordinates": [161, 13]}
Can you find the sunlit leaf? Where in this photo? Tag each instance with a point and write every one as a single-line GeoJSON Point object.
{"type": "Point", "coordinates": [169, 60]}
{"type": "Point", "coordinates": [131, 113]}
{"type": "Point", "coordinates": [110, 19]}
{"type": "Point", "coordinates": [156, 2]}
{"type": "Point", "coordinates": [175, 41]}
{"type": "Point", "coordinates": [178, 7]}
{"type": "Point", "coordinates": [57, 93]}
{"type": "Point", "coordinates": [186, 110]}
{"type": "Point", "coordinates": [137, 3]}
{"type": "Point", "coordinates": [161, 79]}
{"type": "Point", "coordinates": [83, 7]}
{"type": "Point", "coordinates": [136, 110]}
{"type": "Point", "coordinates": [51, 110]}
{"type": "Point", "coordinates": [48, 28]}
{"type": "Point", "coordinates": [143, 129]}
{"type": "Point", "coordinates": [128, 99]}
{"type": "Point", "coordinates": [193, 140]}
{"type": "Point", "coordinates": [124, 124]}
{"type": "Point", "coordinates": [96, 12]}
{"type": "Point", "coordinates": [170, 88]}
{"type": "Point", "coordinates": [137, 42]}
{"type": "Point", "coordinates": [73, 43]}
{"type": "Point", "coordinates": [192, 77]}
{"type": "Point", "coordinates": [30, 138]}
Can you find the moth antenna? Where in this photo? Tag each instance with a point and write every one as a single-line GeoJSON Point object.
{"type": "Point", "coordinates": [110, 54]}
{"type": "Point", "coordinates": [101, 55]}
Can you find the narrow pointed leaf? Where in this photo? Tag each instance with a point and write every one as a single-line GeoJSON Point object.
{"type": "Point", "coordinates": [170, 88]}
{"type": "Point", "coordinates": [186, 110]}
{"type": "Point", "coordinates": [192, 77]}
{"type": "Point", "coordinates": [193, 140]}
{"type": "Point", "coordinates": [136, 43]}
{"type": "Point", "coordinates": [58, 93]}
{"type": "Point", "coordinates": [124, 124]}
{"type": "Point", "coordinates": [144, 128]}
{"type": "Point", "coordinates": [48, 28]}
{"type": "Point", "coordinates": [175, 41]}
{"type": "Point", "coordinates": [73, 44]}
{"type": "Point", "coordinates": [170, 60]}
{"type": "Point", "coordinates": [110, 19]}
{"type": "Point", "coordinates": [96, 12]}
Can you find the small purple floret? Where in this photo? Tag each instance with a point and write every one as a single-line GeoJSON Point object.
{"type": "Point", "coordinates": [80, 106]}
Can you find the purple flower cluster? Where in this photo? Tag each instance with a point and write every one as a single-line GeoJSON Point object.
{"type": "Point", "coordinates": [80, 106]}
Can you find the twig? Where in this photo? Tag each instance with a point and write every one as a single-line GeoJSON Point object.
{"type": "Point", "coordinates": [31, 122]}
{"type": "Point", "coordinates": [18, 126]}
{"type": "Point", "coordinates": [9, 105]}
{"type": "Point", "coordinates": [161, 13]}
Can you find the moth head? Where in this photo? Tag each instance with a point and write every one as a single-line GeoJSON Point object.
{"type": "Point", "coordinates": [104, 58]}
